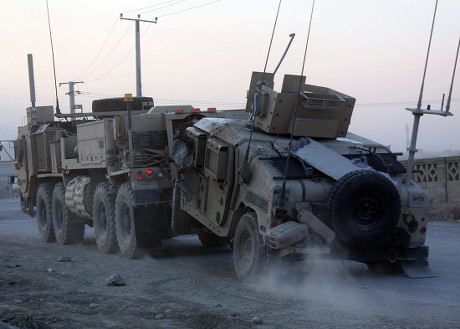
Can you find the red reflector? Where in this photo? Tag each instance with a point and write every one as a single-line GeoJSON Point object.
{"type": "Point", "coordinates": [129, 174]}
{"type": "Point", "coordinates": [274, 224]}
{"type": "Point", "coordinates": [149, 171]}
{"type": "Point", "coordinates": [423, 230]}
{"type": "Point", "coordinates": [139, 173]}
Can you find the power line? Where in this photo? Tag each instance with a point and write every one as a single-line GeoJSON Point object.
{"type": "Point", "coordinates": [158, 4]}
{"type": "Point", "coordinates": [191, 8]}
{"type": "Point", "coordinates": [435, 101]}
{"type": "Point", "coordinates": [173, 4]}
{"type": "Point", "coordinates": [100, 49]}
{"type": "Point", "coordinates": [124, 57]}
{"type": "Point", "coordinates": [110, 52]}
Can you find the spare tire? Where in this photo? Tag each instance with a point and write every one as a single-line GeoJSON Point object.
{"type": "Point", "coordinates": [118, 104]}
{"type": "Point", "coordinates": [363, 207]}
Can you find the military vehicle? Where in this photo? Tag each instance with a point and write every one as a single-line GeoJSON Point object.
{"type": "Point", "coordinates": [111, 171]}
{"type": "Point", "coordinates": [285, 186]}
{"type": "Point", "coordinates": [290, 182]}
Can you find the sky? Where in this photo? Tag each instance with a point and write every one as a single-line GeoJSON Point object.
{"type": "Point", "coordinates": [202, 52]}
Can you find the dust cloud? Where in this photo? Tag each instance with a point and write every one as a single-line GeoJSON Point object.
{"type": "Point", "coordinates": [316, 283]}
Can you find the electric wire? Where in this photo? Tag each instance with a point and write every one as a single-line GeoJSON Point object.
{"type": "Point", "coordinates": [139, 9]}
{"type": "Point", "coordinates": [124, 57]}
{"type": "Point", "coordinates": [110, 52]}
{"type": "Point", "coordinates": [191, 8]}
{"type": "Point", "coordinates": [58, 111]}
{"type": "Point", "coordinates": [100, 49]}
{"type": "Point", "coordinates": [173, 4]}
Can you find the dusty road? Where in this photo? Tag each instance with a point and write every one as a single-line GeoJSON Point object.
{"type": "Point", "coordinates": [185, 285]}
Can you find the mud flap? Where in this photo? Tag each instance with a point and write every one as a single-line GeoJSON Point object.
{"type": "Point", "coordinates": [415, 270]}
{"type": "Point", "coordinates": [148, 226]}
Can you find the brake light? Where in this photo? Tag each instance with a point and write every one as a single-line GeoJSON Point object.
{"type": "Point", "coordinates": [197, 110]}
{"type": "Point", "coordinates": [179, 111]}
{"type": "Point", "coordinates": [149, 171]}
{"type": "Point", "coordinates": [212, 109]}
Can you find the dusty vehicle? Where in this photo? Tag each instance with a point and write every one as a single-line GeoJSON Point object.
{"type": "Point", "coordinates": [294, 185]}
{"type": "Point", "coordinates": [112, 172]}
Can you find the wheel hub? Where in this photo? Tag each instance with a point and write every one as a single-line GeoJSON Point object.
{"type": "Point", "coordinates": [367, 209]}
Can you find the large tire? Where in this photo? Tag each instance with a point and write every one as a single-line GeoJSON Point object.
{"type": "Point", "coordinates": [68, 228]}
{"type": "Point", "coordinates": [363, 208]}
{"type": "Point", "coordinates": [249, 251]}
{"type": "Point", "coordinates": [45, 213]}
{"type": "Point", "coordinates": [210, 240]}
{"type": "Point", "coordinates": [104, 219]}
{"type": "Point", "coordinates": [125, 223]}
{"type": "Point", "coordinates": [118, 104]}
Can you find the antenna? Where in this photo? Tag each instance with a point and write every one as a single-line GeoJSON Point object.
{"type": "Point", "coordinates": [453, 76]}
{"type": "Point", "coordinates": [418, 112]}
{"type": "Point", "coordinates": [281, 208]}
{"type": "Point", "coordinates": [244, 171]}
{"type": "Point", "coordinates": [58, 111]}
{"type": "Point", "coordinates": [292, 35]}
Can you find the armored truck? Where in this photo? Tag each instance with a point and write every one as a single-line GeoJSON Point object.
{"type": "Point", "coordinates": [109, 169]}
{"type": "Point", "coordinates": [293, 182]}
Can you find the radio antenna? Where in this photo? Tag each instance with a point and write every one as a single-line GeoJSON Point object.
{"type": "Point", "coordinates": [58, 111]}
{"type": "Point", "coordinates": [281, 207]}
{"type": "Point", "coordinates": [245, 173]}
{"type": "Point", "coordinates": [418, 112]}
{"type": "Point", "coordinates": [453, 76]}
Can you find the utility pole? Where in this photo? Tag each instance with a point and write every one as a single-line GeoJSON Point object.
{"type": "Point", "coordinates": [71, 94]}
{"type": "Point", "coordinates": [138, 50]}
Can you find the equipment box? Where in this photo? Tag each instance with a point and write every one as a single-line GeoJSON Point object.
{"type": "Point", "coordinates": [321, 113]}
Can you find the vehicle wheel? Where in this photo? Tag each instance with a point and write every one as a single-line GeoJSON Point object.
{"type": "Point", "coordinates": [125, 222]}
{"type": "Point", "coordinates": [104, 219]}
{"type": "Point", "coordinates": [363, 207]}
{"type": "Point", "coordinates": [180, 221]}
{"type": "Point", "coordinates": [210, 240]}
{"type": "Point", "coordinates": [249, 251]}
{"type": "Point", "coordinates": [118, 104]}
{"type": "Point", "coordinates": [68, 228]}
{"type": "Point", "coordinates": [45, 213]}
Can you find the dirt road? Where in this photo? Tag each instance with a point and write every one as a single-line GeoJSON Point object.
{"type": "Point", "coordinates": [184, 285]}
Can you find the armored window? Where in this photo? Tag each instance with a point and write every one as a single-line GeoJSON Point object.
{"type": "Point", "coordinates": [216, 159]}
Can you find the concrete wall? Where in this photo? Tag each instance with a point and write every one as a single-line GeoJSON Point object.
{"type": "Point", "coordinates": [440, 178]}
